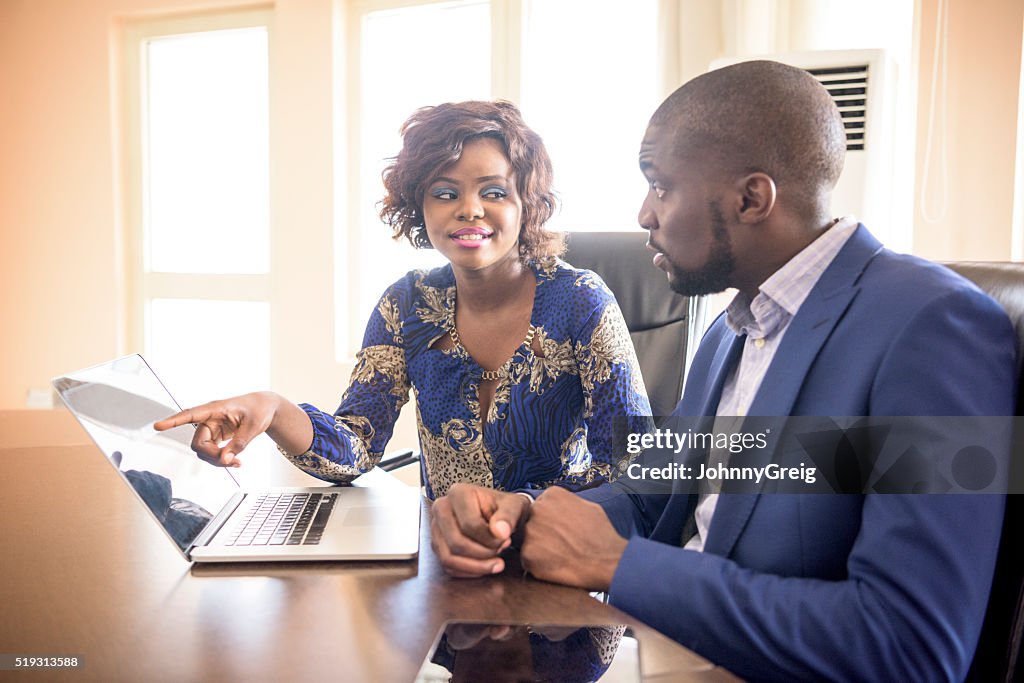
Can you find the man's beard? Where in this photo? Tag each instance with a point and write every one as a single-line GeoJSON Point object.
{"type": "Point", "coordinates": [713, 276]}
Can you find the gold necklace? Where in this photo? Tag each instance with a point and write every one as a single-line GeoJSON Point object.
{"type": "Point", "coordinates": [492, 375]}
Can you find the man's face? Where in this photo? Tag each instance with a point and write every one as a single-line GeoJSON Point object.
{"type": "Point", "coordinates": [683, 214]}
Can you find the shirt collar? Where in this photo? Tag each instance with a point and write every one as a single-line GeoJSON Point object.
{"type": "Point", "coordinates": [781, 295]}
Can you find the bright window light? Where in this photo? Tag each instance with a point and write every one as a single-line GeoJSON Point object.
{"type": "Point", "coordinates": [590, 82]}
{"type": "Point", "coordinates": [209, 349]}
{"type": "Point", "coordinates": [205, 123]}
{"type": "Point", "coordinates": [450, 49]}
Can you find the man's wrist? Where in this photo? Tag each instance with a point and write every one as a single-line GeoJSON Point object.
{"type": "Point", "coordinates": [524, 513]}
{"type": "Point", "coordinates": [610, 564]}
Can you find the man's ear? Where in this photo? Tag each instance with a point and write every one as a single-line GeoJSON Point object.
{"type": "Point", "coordinates": [756, 197]}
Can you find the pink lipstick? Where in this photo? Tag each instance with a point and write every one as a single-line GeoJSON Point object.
{"type": "Point", "coordinates": [471, 238]}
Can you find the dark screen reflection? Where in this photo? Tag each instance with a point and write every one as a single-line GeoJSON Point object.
{"type": "Point", "coordinates": [183, 519]}
{"type": "Point", "coordinates": [521, 652]}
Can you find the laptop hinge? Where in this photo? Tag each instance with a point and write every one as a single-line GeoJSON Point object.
{"type": "Point", "coordinates": [211, 529]}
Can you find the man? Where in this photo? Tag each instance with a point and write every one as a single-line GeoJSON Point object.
{"type": "Point", "coordinates": [741, 163]}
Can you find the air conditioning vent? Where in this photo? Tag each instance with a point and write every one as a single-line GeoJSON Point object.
{"type": "Point", "coordinates": [848, 86]}
{"type": "Point", "coordinates": [867, 186]}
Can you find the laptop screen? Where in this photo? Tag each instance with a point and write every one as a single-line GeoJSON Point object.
{"type": "Point", "coordinates": [117, 403]}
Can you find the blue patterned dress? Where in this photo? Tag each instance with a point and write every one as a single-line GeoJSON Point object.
{"type": "Point", "coordinates": [552, 417]}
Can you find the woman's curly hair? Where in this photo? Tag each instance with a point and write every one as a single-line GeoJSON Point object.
{"type": "Point", "coordinates": [433, 138]}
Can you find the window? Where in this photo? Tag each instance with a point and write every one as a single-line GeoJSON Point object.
{"type": "Point", "coordinates": [199, 210]}
{"type": "Point", "coordinates": [205, 139]}
{"type": "Point", "coordinates": [410, 58]}
{"type": "Point", "coordinates": [589, 93]}
{"type": "Point", "coordinates": [558, 63]}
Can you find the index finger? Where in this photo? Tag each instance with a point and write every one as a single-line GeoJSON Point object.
{"type": "Point", "coordinates": [187, 416]}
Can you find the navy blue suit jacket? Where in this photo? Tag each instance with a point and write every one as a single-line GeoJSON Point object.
{"type": "Point", "coordinates": [849, 587]}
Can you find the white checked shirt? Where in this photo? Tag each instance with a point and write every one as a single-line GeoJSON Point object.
{"type": "Point", "coordinates": [764, 321]}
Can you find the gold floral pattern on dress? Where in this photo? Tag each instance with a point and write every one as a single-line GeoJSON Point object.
{"type": "Point", "coordinates": [437, 308]}
{"type": "Point", "coordinates": [325, 469]}
{"type": "Point", "coordinates": [609, 345]}
{"type": "Point", "coordinates": [602, 471]}
{"type": "Point", "coordinates": [358, 431]}
{"type": "Point", "coordinates": [556, 358]}
{"type": "Point", "coordinates": [547, 267]}
{"type": "Point", "coordinates": [472, 400]}
{"type": "Point", "coordinates": [502, 395]}
{"type": "Point", "coordinates": [456, 455]}
{"type": "Point", "coordinates": [388, 309]}
{"type": "Point", "coordinates": [637, 387]}
{"type": "Point", "coordinates": [358, 425]}
{"type": "Point", "coordinates": [588, 279]}
{"type": "Point", "coordinates": [578, 461]}
{"type": "Point", "coordinates": [387, 361]}
{"type": "Point", "coordinates": [575, 454]}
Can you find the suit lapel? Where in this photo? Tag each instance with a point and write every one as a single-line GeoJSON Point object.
{"type": "Point", "coordinates": [680, 507]}
{"type": "Point", "coordinates": [727, 355]}
{"type": "Point", "coordinates": [780, 388]}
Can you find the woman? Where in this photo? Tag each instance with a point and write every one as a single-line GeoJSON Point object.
{"type": "Point", "coordinates": [518, 362]}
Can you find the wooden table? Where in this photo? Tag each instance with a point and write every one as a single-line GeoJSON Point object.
{"type": "Point", "coordinates": [84, 571]}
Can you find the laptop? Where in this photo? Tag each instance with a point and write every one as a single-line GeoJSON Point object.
{"type": "Point", "coordinates": [203, 509]}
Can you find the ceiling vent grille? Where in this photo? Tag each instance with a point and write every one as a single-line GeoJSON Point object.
{"type": "Point", "coordinates": [848, 86]}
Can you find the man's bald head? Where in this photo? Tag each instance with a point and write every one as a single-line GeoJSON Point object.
{"type": "Point", "coordinates": [761, 116]}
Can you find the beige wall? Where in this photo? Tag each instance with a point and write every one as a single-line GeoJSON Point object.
{"type": "Point", "coordinates": [59, 265]}
{"type": "Point", "coordinates": [983, 57]}
{"type": "Point", "coordinates": [60, 205]}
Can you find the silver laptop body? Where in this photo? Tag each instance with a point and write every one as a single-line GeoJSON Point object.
{"type": "Point", "coordinates": [202, 508]}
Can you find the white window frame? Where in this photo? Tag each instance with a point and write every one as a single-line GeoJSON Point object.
{"type": "Point", "coordinates": [143, 287]}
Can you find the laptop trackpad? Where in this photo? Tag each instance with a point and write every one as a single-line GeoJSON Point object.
{"type": "Point", "coordinates": [373, 515]}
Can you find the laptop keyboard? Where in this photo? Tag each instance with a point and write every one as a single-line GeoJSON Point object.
{"type": "Point", "coordinates": [284, 519]}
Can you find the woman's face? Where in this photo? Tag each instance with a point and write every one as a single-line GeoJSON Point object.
{"type": "Point", "coordinates": [472, 210]}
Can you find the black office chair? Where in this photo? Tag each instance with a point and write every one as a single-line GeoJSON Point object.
{"type": "Point", "coordinates": [398, 459]}
{"type": "Point", "coordinates": [664, 325]}
{"type": "Point", "coordinates": [998, 653]}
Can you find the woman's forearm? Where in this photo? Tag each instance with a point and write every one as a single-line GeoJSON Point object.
{"type": "Point", "coordinates": [290, 427]}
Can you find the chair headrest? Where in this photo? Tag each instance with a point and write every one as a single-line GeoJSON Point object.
{"type": "Point", "coordinates": [624, 263]}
